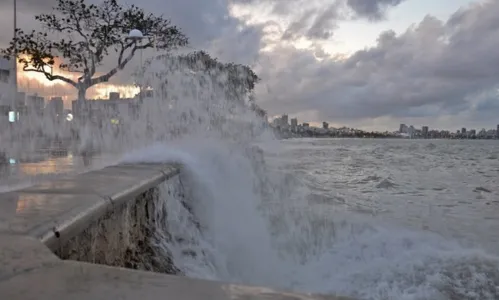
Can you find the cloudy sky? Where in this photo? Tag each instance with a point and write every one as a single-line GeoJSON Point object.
{"type": "Point", "coordinates": [364, 63]}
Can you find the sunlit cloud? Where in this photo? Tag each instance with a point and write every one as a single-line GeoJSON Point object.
{"type": "Point", "coordinates": [37, 83]}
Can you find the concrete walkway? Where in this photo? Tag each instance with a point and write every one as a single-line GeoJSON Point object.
{"type": "Point", "coordinates": [37, 220]}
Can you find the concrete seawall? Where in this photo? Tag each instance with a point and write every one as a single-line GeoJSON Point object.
{"type": "Point", "coordinates": [87, 237]}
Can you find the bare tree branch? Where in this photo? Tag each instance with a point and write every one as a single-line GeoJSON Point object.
{"type": "Point", "coordinates": [50, 76]}
{"type": "Point", "coordinates": [91, 30]}
{"type": "Point", "coordinates": [121, 64]}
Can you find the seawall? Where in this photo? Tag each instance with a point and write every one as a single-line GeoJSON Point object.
{"type": "Point", "coordinates": [89, 237]}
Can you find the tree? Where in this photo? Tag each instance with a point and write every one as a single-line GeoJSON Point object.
{"type": "Point", "coordinates": [91, 32]}
{"type": "Point", "coordinates": [238, 80]}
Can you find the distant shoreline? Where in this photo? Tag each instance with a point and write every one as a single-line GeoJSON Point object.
{"type": "Point", "coordinates": [374, 135]}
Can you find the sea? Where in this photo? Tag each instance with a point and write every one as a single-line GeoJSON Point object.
{"type": "Point", "coordinates": [366, 218]}
{"type": "Point", "coordinates": [373, 219]}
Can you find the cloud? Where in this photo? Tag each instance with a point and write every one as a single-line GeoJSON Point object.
{"type": "Point", "coordinates": [318, 19]}
{"type": "Point", "coordinates": [443, 71]}
{"type": "Point", "coordinates": [313, 25]}
{"type": "Point", "coordinates": [372, 9]}
{"type": "Point", "coordinates": [435, 68]}
{"type": "Point", "coordinates": [208, 24]}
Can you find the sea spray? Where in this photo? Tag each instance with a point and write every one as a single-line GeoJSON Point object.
{"type": "Point", "coordinates": [239, 236]}
{"type": "Point", "coordinates": [240, 220]}
{"type": "Point", "coordinates": [246, 221]}
{"type": "Point", "coordinates": [228, 220]}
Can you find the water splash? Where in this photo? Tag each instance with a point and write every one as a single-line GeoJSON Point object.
{"type": "Point", "coordinates": [241, 221]}
{"type": "Point", "coordinates": [266, 234]}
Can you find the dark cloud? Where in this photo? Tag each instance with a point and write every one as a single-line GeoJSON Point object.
{"type": "Point", "coordinates": [372, 9]}
{"type": "Point", "coordinates": [27, 6]}
{"type": "Point", "coordinates": [313, 25]}
{"type": "Point", "coordinates": [207, 23]}
{"type": "Point", "coordinates": [317, 20]}
{"type": "Point", "coordinates": [434, 68]}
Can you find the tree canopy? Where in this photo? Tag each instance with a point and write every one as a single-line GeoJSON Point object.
{"type": "Point", "coordinates": [238, 78]}
{"type": "Point", "coordinates": [86, 34]}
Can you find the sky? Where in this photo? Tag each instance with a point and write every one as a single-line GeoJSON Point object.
{"type": "Point", "coordinates": [369, 64]}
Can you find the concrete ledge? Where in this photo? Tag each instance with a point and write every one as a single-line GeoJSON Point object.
{"type": "Point", "coordinates": [81, 281]}
{"type": "Point", "coordinates": [82, 218]}
{"type": "Point", "coordinates": [58, 210]}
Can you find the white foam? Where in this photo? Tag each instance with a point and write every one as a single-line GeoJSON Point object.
{"type": "Point", "coordinates": [256, 225]}
{"type": "Point", "coordinates": [286, 243]}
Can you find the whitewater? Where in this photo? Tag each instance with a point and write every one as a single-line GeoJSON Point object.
{"type": "Point", "coordinates": [279, 238]}
{"type": "Point", "coordinates": [344, 217]}
{"type": "Point", "coordinates": [286, 214]}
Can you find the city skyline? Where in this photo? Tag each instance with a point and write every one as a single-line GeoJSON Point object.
{"type": "Point", "coordinates": [333, 124]}
{"type": "Point", "coordinates": [286, 120]}
{"type": "Point", "coordinates": [336, 61]}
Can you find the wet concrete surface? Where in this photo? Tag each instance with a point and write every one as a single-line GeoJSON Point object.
{"type": "Point", "coordinates": [16, 172]}
{"type": "Point", "coordinates": [37, 219]}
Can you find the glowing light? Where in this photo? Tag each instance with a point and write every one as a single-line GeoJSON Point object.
{"type": "Point", "coordinates": [102, 91]}
{"type": "Point", "coordinates": [12, 116]}
{"type": "Point", "coordinates": [69, 117]}
{"type": "Point", "coordinates": [57, 87]}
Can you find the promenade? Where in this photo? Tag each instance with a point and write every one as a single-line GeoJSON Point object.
{"type": "Point", "coordinates": [63, 239]}
{"type": "Point", "coordinates": [44, 165]}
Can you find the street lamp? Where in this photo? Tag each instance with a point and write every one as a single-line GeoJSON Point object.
{"type": "Point", "coordinates": [14, 75]}
{"type": "Point", "coordinates": [137, 35]}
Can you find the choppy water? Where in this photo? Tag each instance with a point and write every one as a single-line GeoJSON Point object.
{"type": "Point", "coordinates": [372, 219]}
{"type": "Point", "coordinates": [446, 186]}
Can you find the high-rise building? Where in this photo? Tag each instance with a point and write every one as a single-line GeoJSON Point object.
{"type": "Point", "coordinates": [497, 131]}
{"type": "Point", "coordinates": [114, 96]}
{"type": "Point", "coordinates": [411, 130]}
{"type": "Point", "coordinates": [403, 128]}
{"type": "Point", "coordinates": [294, 123]}
{"type": "Point", "coordinates": [425, 131]}
{"type": "Point", "coordinates": [21, 98]}
{"type": "Point", "coordinates": [55, 106]}
{"type": "Point", "coordinates": [6, 89]}
{"type": "Point", "coordinates": [463, 130]}
{"type": "Point", "coordinates": [284, 121]}
{"type": "Point", "coordinates": [35, 104]}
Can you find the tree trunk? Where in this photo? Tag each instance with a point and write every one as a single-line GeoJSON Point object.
{"type": "Point", "coordinates": [82, 90]}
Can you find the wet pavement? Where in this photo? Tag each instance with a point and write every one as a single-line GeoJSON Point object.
{"type": "Point", "coordinates": [21, 172]}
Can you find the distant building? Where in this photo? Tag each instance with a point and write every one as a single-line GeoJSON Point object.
{"type": "Point", "coordinates": [306, 125]}
{"type": "Point", "coordinates": [284, 121]}
{"type": "Point", "coordinates": [5, 88]}
{"type": "Point", "coordinates": [463, 130]}
{"type": "Point", "coordinates": [411, 131]}
{"type": "Point", "coordinates": [425, 131]}
{"type": "Point", "coordinates": [104, 110]}
{"type": "Point", "coordinates": [35, 104]}
{"type": "Point", "coordinates": [55, 106]}
{"type": "Point", "coordinates": [482, 133]}
{"type": "Point", "coordinates": [472, 132]}
{"type": "Point", "coordinates": [21, 98]}
{"type": "Point", "coordinates": [294, 124]}
{"type": "Point", "coordinates": [114, 96]}
{"type": "Point", "coordinates": [497, 131]}
{"type": "Point", "coordinates": [325, 125]}
{"type": "Point", "coordinates": [403, 128]}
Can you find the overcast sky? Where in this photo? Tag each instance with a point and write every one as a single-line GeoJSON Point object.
{"type": "Point", "coordinates": [364, 63]}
